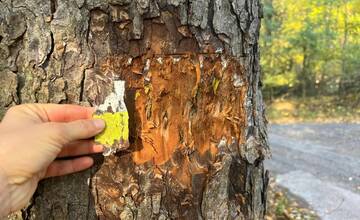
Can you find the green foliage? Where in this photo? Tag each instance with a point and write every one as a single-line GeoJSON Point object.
{"type": "Point", "coordinates": [311, 47]}
{"type": "Point", "coordinates": [281, 206]}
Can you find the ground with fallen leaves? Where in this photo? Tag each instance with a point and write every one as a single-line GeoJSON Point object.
{"type": "Point", "coordinates": [281, 205]}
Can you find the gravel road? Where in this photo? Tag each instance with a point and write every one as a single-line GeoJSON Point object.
{"type": "Point", "coordinates": [321, 164]}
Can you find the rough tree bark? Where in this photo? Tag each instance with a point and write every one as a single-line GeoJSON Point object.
{"type": "Point", "coordinates": [197, 126]}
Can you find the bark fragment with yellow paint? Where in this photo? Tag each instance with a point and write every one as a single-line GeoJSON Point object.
{"type": "Point", "coordinates": [113, 111]}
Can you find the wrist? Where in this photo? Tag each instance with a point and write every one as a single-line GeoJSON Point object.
{"type": "Point", "coordinates": [5, 195]}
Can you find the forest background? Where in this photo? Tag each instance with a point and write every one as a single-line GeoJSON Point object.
{"type": "Point", "coordinates": [310, 58]}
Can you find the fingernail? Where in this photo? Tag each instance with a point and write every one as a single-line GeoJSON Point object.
{"type": "Point", "coordinates": [99, 123]}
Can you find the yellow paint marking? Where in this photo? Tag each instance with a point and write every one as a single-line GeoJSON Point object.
{"type": "Point", "coordinates": [215, 85]}
{"type": "Point", "coordinates": [116, 130]}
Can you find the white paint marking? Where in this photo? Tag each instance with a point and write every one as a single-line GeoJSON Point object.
{"type": "Point", "coordinates": [115, 99]}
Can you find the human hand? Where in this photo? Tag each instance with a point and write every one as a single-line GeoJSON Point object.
{"type": "Point", "coordinates": [32, 136]}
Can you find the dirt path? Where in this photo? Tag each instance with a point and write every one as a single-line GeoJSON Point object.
{"type": "Point", "coordinates": [321, 164]}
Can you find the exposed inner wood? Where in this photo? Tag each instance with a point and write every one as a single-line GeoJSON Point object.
{"type": "Point", "coordinates": [186, 102]}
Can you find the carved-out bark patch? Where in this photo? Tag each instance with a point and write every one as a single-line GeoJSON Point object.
{"type": "Point", "coordinates": [185, 111]}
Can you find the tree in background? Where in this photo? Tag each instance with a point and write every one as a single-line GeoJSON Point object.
{"type": "Point", "coordinates": [311, 47]}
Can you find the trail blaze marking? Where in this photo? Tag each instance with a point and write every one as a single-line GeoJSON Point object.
{"type": "Point", "coordinates": [113, 111]}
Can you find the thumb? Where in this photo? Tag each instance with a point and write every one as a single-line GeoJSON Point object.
{"type": "Point", "coordinates": [65, 132]}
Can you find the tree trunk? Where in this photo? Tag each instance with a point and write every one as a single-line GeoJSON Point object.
{"type": "Point", "coordinates": [197, 125]}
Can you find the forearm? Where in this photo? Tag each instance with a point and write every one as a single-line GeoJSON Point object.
{"type": "Point", "coordinates": [5, 206]}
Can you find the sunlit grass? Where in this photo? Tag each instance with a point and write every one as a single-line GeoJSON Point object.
{"type": "Point", "coordinates": [315, 109]}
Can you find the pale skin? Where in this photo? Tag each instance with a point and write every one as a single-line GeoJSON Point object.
{"type": "Point", "coordinates": [32, 139]}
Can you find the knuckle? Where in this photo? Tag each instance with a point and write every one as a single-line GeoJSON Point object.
{"type": "Point", "coordinates": [86, 126]}
{"type": "Point", "coordinates": [56, 131]}
{"type": "Point", "coordinates": [20, 108]}
{"type": "Point", "coordinates": [13, 109]}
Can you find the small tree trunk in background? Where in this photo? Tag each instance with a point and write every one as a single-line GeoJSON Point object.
{"type": "Point", "coordinates": [342, 80]}
{"type": "Point", "coordinates": [197, 125]}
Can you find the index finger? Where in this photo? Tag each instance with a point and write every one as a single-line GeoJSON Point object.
{"type": "Point", "coordinates": [67, 112]}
